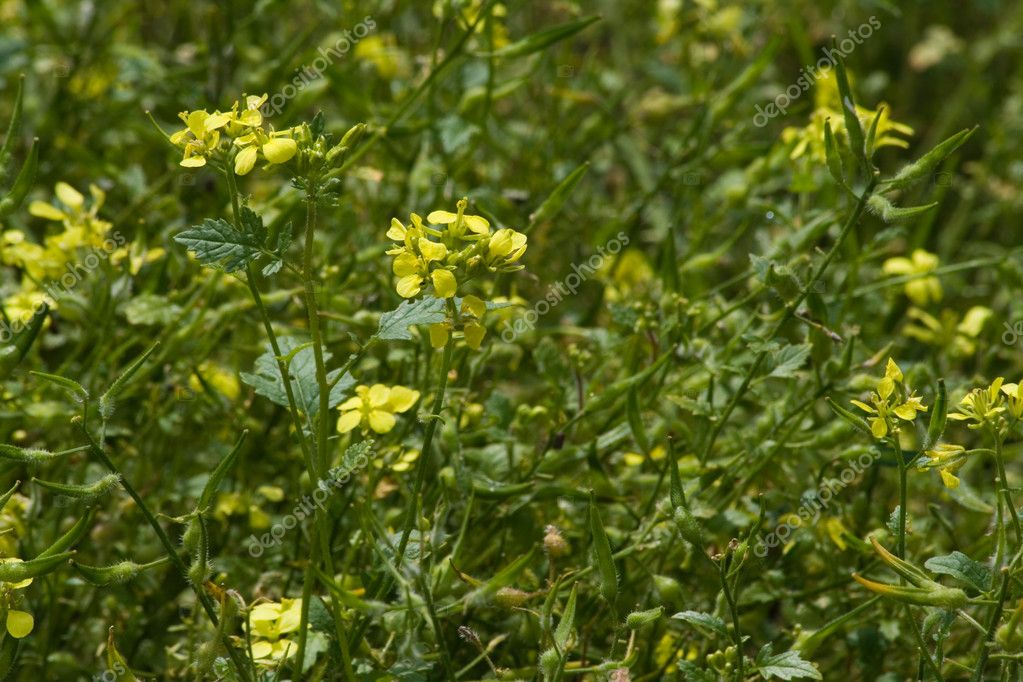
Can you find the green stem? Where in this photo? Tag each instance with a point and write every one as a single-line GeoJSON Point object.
{"type": "Point", "coordinates": [900, 549]}
{"type": "Point", "coordinates": [412, 510]}
{"type": "Point", "coordinates": [169, 548]}
{"type": "Point", "coordinates": [992, 625]}
{"type": "Point", "coordinates": [790, 312]}
{"type": "Point", "coordinates": [737, 634]}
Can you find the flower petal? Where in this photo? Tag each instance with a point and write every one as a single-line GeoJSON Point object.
{"type": "Point", "coordinates": [381, 421]}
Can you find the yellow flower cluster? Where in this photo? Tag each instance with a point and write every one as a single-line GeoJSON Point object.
{"type": "Point", "coordinates": [923, 287]}
{"type": "Point", "coordinates": [200, 139]}
{"type": "Point", "coordinates": [44, 265]}
{"type": "Point", "coordinates": [809, 141]}
{"type": "Point", "coordinates": [448, 249]}
{"type": "Point", "coordinates": [889, 403]}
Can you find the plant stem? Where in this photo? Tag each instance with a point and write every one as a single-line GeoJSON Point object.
{"type": "Point", "coordinates": [737, 635]}
{"type": "Point", "coordinates": [992, 625]}
{"type": "Point", "coordinates": [790, 312]}
{"type": "Point", "coordinates": [169, 548]}
{"type": "Point", "coordinates": [412, 509]}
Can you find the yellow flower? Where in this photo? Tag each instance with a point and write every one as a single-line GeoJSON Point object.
{"type": "Point", "coordinates": [457, 222]}
{"type": "Point", "coordinates": [249, 117]}
{"type": "Point", "coordinates": [200, 137]}
{"type": "Point", "coordinates": [374, 407]}
{"type": "Point", "coordinates": [276, 147]}
{"type": "Point", "coordinates": [922, 289]}
{"type": "Point", "coordinates": [1015, 399]}
{"type": "Point", "coordinates": [889, 402]}
{"type": "Point", "coordinates": [216, 377]}
{"type": "Point", "coordinates": [19, 623]}
{"type": "Point", "coordinates": [405, 461]}
{"type": "Point", "coordinates": [269, 624]}
{"type": "Point", "coordinates": [413, 268]}
{"type": "Point", "coordinates": [947, 459]}
{"type": "Point", "coordinates": [981, 405]}
{"type": "Point", "coordinates": [948, 332]}
{"type": "Point", "coordinates": [384, 54]}
{"type": "Point", "coordinates": [82, 225]}
{"type": "Point", "coordinates": [505, 249]}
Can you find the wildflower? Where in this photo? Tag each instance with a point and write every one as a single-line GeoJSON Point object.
{"type": "Point", "coordinates": [1015, 400]}
{"type": "Point", "coordinates": [887, 403]}
{"type": "Point", "coordinates": [948, 332]}
{"type": "Point", "coordinates": [405, 460]}
{"type": "Point", "coordinates": [249, 117]}
{"type": "Point", "coordinates": [922, 289]}
{"type": "Point", "coordinates": [375, 407]}
{"type": "Point", "coordinates": [413, 268]}
{"type": "Point", "coordinates": [276, 147]}
{"type": "Point", "coordinates": [270, 623]}
{"type": "Point", "coordinates": [19, 623]}
{"type": "Point", "coordinates": [200, 137]}
{"type": "Point", "coordinates": [947, 459]}
{"type": "Point", "coordinates": [82, 225]}
{"type": "Point", "coordinates": [504, 250]}
{"type": "Point", "coordinates": [981, 405]}
{"type": "Point", "coordinates": [457, 222]}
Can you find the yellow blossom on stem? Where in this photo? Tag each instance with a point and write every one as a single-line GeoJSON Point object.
{"type": "Point", "coordinates": [374, 407]}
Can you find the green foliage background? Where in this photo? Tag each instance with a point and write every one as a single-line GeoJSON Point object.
{"type": "Point", "coordinates": [658, 100]}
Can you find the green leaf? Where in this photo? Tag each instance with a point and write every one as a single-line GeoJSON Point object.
{"type": "Point", "coordinates": [23, 183]}
{"type": "Point", "coordinates": [150, 309]}
{"type": "Point", "coordinates": [13, 131]}
{"type": "Point", "coordinates": [394, 325]}
{"type": "Point", "coordinates": [785, 666]}
{"type": "Point", "coordinates": [116, 663]}
{"type": "Point", "coordinates": [788, 359]}
{"type": "Point", "coordinates": [555, 201]}
{"type": "Point", "coordinates": [690, 672]}
{"type": "Point", "coordinates": [15, 350]}
{"type": "Point", "coordinates": [217, 244]}
{"type": "Point", "coordinates": [71, 537]}
{"type": "Point", "coordinates": [961, 567]}
{"type": "Point", "coordinates": [541, 39]}
{"type": "Point", "coordinates": [852, 119]}
{"type": "Point", "coordinates": [267, 381]}
{"type": "Point", "coordinates": [567, 622]}
{"type": "Point", "coordinates": [833, 155]}
{"type": "Point", "coordinates": [703, 621]}
{"type": "Point", "coordinates": [636, 422]}
{"type": "Point", "coordinates": [602, 556]}
{"type": "Point", "coordinates": [217, 477]}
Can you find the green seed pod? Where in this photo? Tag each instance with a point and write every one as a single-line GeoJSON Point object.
{"type": "Point", "coordinates": [688, 526]}
{"type": "Point", "coordinates": [509, 597]}
{"type": "Point", "coordinates": [109, 575]}
{"type": "Point", "coordinates": [85, 493]}
{"type": "Point", "coordinates": [669, 590]}
{"type": "Point", "coordinates": [192, 537]}
{"type": "Point", "coordinates": [638, 619]}
{"type": "Point", "coordinates": [198, 572]}
{"type": "Point", "coordinates": [550, 661]}
{"type": "Point", "coordinates": [205, 657]}
{"type": "Point", "coordinates": [939, 414]}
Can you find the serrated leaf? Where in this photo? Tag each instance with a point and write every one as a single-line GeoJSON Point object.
{"type": "Point", "coordinates": [267, 382]}
{"type": "Point", "coordinates": [217, 244]}
{"type": "Point", "coordinates": [690, 672]}
{"type": "Point", "coordinates": [394, 325]}
{"type": "Point", "coordinates": [704, 621]}
{"type": "Point", "coordinates": [785, 666]}
{"type": "Point", "coordinates": [961, 567]}
{"type": "Point", "coordinates": [788, 359]}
